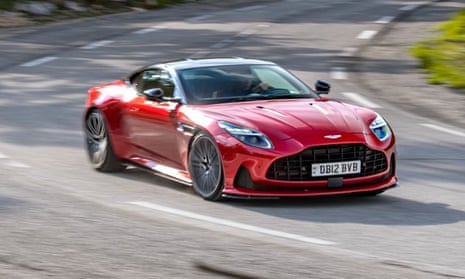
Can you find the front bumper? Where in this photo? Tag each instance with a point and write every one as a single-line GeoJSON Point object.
{"type": "Point", "coordinates": [247, 174]}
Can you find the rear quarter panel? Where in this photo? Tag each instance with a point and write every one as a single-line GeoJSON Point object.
{"type": "Point", "coordinates": [108, 99]}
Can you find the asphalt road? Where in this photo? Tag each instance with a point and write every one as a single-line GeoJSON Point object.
{"type": "Point", "coordinates": [61, 219]}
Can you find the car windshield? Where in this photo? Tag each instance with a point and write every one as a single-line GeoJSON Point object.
{"type": "Point", "coordinates": [234, 83]}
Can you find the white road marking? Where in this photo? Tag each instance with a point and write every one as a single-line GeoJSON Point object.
{"type": "Point", "coordinates": [408, 8]}
{"type": "Point", "coordinates": [232, 224]}
{"type": "Point", "coordinates": [145, 31]}
{"type": "Point", "coordinates": [250, 8]}
{"type": "Point", "coordinates": [199, 54]}
{"type": "Point", "coordinates": [348, 52]}
{"type": "Point", "coordinates": [219, 45]}
{"type": "Point", "coordinates": [247, 32]}
{"type": "Point", "coordinates": [228, 41]}
{"type": "Point", "coordinates": [367, 34]}
{"type": "Point", "coordinates": [12, 163]}
{"type": "Point", "coordinates": [149, 30]}
{"type": "Point", "coordinates": [244, 33]}
{"type": "Point", "coordinates": [39, 61]}
{"type": "Point", "coordinates": [76, 133]}
{"type": "Point", "coordinates": [338, 73]}
{"type": "Point", "coordinates": [199, 18]}
{"type": "Point", "coordinates": [97, 44]}
{"type": "Point", "coordinates": [445, 130]}
{"type": "Point", "coordinates": [385, 19]}
{"type": "Point", "coordinates": [360, 100]}
{"type": "Point", "coordinates": [47, 101]}
{"type": "Point", "coordinates": [16, 164]}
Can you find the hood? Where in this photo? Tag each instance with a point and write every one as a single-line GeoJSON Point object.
{"type": "Point", "coordinates": [292, 118]}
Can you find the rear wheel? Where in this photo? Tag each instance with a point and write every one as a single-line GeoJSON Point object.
{"type": "Point", "coordinates": [99, 148]}
{"type": "Point", "coordinates": [205, 168]}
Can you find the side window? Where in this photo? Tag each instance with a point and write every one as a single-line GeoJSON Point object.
{"type": "Point", "coordinates": [136, 81]}
{"type": "Point", "coordinates": [155, 78]}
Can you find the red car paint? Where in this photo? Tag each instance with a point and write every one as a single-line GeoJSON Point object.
{"type": "Point", "coordinates": [149, 134]}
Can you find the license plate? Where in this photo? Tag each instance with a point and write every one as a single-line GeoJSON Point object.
{"type": "Point", "coordinates": [338, 168]}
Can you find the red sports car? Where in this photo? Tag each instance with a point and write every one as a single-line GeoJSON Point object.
{"type": "Point", "coordinates": [238, 128]}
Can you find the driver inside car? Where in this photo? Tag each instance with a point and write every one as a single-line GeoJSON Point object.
{"type": "Point", "coordinates": [254, 85]}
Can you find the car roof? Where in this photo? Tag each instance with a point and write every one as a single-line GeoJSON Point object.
{"type": "Point", "coordinates": [208, 62]}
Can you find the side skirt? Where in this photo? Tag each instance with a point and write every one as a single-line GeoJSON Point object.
{"type": "Point", "coordinates": [177, 175]}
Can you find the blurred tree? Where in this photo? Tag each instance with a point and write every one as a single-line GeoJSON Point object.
{"type": "Point", "coordinates": [59, 3]}
{"type": "Point", "coordinates": [92, 2]}
{"type": "Point", "coordinates": [150, 3]}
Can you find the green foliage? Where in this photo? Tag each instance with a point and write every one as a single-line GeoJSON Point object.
{"type": "Point", "coordinates": [443, 56]}
{"type": "Point", "coordinates": [6, 4]}
{"type": "Point", "coordinates": [92, 8]}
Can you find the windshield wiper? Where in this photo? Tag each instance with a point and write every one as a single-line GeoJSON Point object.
{"type": "Point", "coordinates": [258, 96]}
{"type": "Point", "coordinates": [265, 96]}
{"type": "Point", "coordinates": [291, 96]}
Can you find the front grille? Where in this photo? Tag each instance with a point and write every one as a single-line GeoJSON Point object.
{"type": "Point", "coordinates": [299, 167]}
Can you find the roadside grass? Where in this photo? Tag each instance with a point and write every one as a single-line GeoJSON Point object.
{"type": "Point", "coordinates": [6, 4]}
{"type": "Point", "coordinates": [443, 56]}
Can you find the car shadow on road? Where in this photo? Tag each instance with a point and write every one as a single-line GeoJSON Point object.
{"type": "Point", "coordinates": [8, 203]}
{"type": "Point", "coordinates": [145, 176]}
{"type": "Point", "coordinates": [384, 209]}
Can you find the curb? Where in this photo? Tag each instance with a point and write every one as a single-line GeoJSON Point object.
{"type": "Point", "coordinates": [403, 85]}
{"type": "Point", "coordinates": [388, 27]}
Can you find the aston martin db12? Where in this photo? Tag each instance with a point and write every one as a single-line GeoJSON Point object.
{"type": "Point", "coordinates": [234, 127]}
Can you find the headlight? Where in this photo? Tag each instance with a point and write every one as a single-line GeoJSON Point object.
{"type": "Point", "coordinates": [246, 135]}
{"type": "Point", "coordinates": [380, 128]}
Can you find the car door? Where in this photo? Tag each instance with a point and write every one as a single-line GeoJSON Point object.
{"type": "Point", "coordinates": [152, 123]}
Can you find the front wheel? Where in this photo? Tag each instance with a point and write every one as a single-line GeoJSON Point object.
{"type": "Point", "coordinates": [98, 143]}
{"type": "Point", "coordinates": [205, 168]}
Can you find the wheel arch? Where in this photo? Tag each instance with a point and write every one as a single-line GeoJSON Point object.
{"type": "Point", "coordinates": [99, 142]}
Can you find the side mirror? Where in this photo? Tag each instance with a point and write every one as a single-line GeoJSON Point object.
{"type": "Point", "coordinates": [322, 87]}
{"type": "Point", "coordinates": [153, 94]}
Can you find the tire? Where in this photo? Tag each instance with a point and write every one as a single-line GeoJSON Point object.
{"type": "Point", "coordinates": [206, 168]}
{"type": "Point", "coordinates": [99, 149]}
